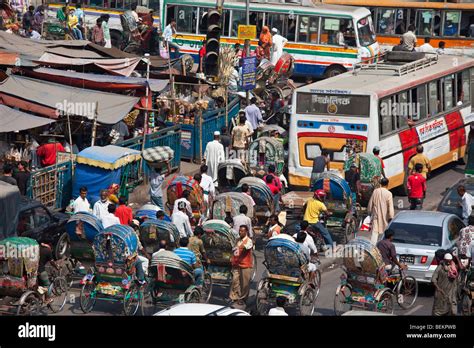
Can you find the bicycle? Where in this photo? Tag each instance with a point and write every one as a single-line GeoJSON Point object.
{"type": "Point", "coordinates": [403, 286]}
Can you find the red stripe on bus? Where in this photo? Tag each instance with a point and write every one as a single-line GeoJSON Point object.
{"type": "Point", "coordinates": [457, 132]}
{"type": "Point", "coordinates": [408, 139]}
{"type": "Point", "coordinates": [331, 135]}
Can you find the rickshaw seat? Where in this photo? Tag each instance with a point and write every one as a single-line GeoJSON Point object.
{"type": "Point", "coordinates": [282, 277]}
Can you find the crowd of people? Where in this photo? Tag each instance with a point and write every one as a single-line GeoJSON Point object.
{"type": "Point", "coordinates": [408, 43]}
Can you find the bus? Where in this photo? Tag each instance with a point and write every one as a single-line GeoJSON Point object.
{"type": "Point", "coordinates": [311, 30]}
{"type": "Point", "coordinates": [451, 22]}
{"type": "Point", "coordinates": [391, 105]}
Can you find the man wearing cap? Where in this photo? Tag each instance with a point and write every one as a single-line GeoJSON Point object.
{"type": "Point", "coordinates": [445, 281]}
{"type": "Point", "coordinates": [312, 209]}
{"type": "Point", "coordinates": [214, 155]}
{"type": "Point", "coordinates": [277, 46]}
{"type": "Point", "coordinates": [376, 152]}
{"type": "Point", "coordinates": [181, 220]}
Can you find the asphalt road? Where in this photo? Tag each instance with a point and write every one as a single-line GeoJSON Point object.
{"type": "Point", "coordinates": [437, 184]}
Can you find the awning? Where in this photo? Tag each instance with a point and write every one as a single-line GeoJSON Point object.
{"type": "Point", "coordinates": [123, 67]}
{"type": "Point", "coordinates": [12, 120]}
{"type": "Point", "coordinates": [75, 52]}
{"type": "Point", "coordinates": [95, 81]}
{"type": "Point", "coordinates": [46, 98]}
{"type": "Point", "coordinates": [108, 157]}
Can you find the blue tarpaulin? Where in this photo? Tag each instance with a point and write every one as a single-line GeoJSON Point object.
{"type": "Point", "coordinates": [95, 179]}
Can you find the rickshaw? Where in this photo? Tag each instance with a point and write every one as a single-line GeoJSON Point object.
{"type": "Point", "coordinates": [268, 129]}
{"type": "Point", "coordinates": [228, 204]}
{"type": "Point", "coordinates": [19, 279]}
{"type": "Point", "coordinates": [339, 203]}
{"type": "Point", "coordinates": [219, 239]}
{"type": "Point", "coordinates": [265, 151]}
{"type": "Point", "coordinates": [370, 171]}
{"type": "Point", "coordinates": [171, 280]}
{"type": "Point", "coordinates": [363, 285]}
{"type": "Point", "coordinates": [152, 231]}
{"type": "Point", "coordinates": [229, 173]}
{"type": "Point", "coordinates": [177, 185]}
{"type": "Point", "coordinates": [81, 229]}
{"type": "Point", "coordinates": [261, 195]}
{"type": "Point", "coordinates": [287, 276]}
{"type": "Point", "coordinates": [148, 211]}
{"type": "Point", "coordinates": [98, 167]}
{"type": "Point", "coordinates": [113, 277]}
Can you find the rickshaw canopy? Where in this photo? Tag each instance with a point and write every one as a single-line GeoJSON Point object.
{"type": "Point", "coordinates": [369, 166]}
{"type": "Point", "coordinates": [335, 187]}
{"type": "Point", "coordinates": [230, 202]}
{"type": "Point", "coordinates": [267, 151]}
{"type": "Point", "coordinates": [83, 225]}
{"type": "Point", "coordinates": [260, 192]}
{"type": "Point", "coordinates": [22, 254]}
{"type": "Point", "coordinates": [284, 257]}
{"type": "Point", "coordinates": [116, 244]}
{"type": "Point", "coordinates": [154, 230]}
{"type": "Point", "coordinates": [361, 257]}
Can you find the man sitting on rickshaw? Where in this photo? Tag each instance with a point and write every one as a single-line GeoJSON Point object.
{"type": "Point", "coordinates": [188, 256]}
{"type": "Point", "coordinates": [314, 207]}
{"type": "Point", "coordinates": [300, 239]}
{"type": "Point", "coordinates": [45, 256]}
{"type": "Point", "coordinates": [388, 252]}
{"type": "Point", "coordinates": [196, 245]}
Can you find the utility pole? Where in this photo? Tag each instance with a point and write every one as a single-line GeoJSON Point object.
{"type": "Point", "coordinates": [247, 53]}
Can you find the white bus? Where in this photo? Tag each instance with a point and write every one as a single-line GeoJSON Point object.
{"type": "Point", "coordinates": [310, 29]}
{"type": "Point", "coordinates": [368, 107]}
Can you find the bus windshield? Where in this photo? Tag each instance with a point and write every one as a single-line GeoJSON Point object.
{"type": "Point", "coordinates": [366, 31]}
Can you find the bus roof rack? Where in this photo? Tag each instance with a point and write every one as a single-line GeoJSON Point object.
{"type": "Point", "coordinates": [400, 62]}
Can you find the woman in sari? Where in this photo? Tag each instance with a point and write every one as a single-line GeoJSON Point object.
{"type": "Point", "coordinates": [266, 41]}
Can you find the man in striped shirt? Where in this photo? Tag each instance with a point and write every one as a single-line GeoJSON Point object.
{"type": "Point", "coordinates": [189, 257]}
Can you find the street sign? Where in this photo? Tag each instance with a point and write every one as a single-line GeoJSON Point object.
{"type": "Point", "coordinates": [249, 69]}
{"type": "Point", "coordinates": [247, 32]}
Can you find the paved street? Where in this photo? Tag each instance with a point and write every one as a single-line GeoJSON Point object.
{"type": "Point", "coordinates": [439, 181]}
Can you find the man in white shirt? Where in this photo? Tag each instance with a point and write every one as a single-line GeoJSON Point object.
{"type": "Point", "coordinates": [309, 241]}
{"type": "Point", "coordinates": [185, 200]}
{"type": "Point", "coordinates": [81, 204]}
{"type": "Point", "coordinates": [278, 42]}
{"type": "Point", "coordinates": [243, 219]}
{"type": "Point", "coordinates": [110, 219]}
{"type": "Point", "coordinates": [246, 189]}
{"type": "Point", "coordinates": [279, 310]}
{"type": "Point", "coordinates": [101, 207]}
{"type": "Point", "coordinates": [409, 39]}
{"type": "Point", "coordinates": [441, 47]}
{"type": "Point", "coordinates": [168, 33]}
{"type": "Point", "coordinates": [467, 201]}
{"type": "Point", "coordinates": [214, 155]}
{"type": "Point", "coordinates": [181, 220]}
{"type": "Point", "coordinates": [207, 185]}
{"type": "Point", "coordinates": [426, 47]}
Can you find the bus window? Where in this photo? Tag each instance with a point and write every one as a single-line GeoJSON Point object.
{"type": "Point", "coordinates": [402, 110]}
{"type": "Point", "coordinates": [428, 22]}
{"type": "Point", "coordinates": [308, 31]}
{"type": "Point", "coordinates": [127, 4]}
{"type": "Point", "coordinates": [433, 98]}
{"type": "Point", "coordinates": [472, 87]}
{"type": "Point", "coordinates": [418, 103]}
{"type": "Point", "coordinates": [186, 18]}
{"type": "Point", "coordinates": [291, 32]}
{"type": "Point", "coordinates": [386, 21]}
{"type": "Point", "coordinates": [451, 23]}
{"type": "Point", "coordinates": [203, 21]}
{"type": "Point", "coordinates": [98, 3]}
{"type": "Point", "coordinates": [401, 21]}
{"type": "Point", "coordinates": [333, 105]}
{"type": "Point", "coordinates": [282, 23]}
{"type": "Point", "coordinates": [365, 29]}
{"type": "Point", "coordinates": [448, 93]}
{"type": "Point", "coordinates": [385, 114]}
{"type": "Point", "coordinates": [466, 92]}
{"type": "Point", "coordinates": [238, 18]}
{"type": "Point", "coordinates": [467, 24]}
{"type": "Point", "coordinates": [154, 5]}
{"type": "Point", "coordinates": [256, 18]}
{"type": "Point", "coordinates": [334, 31]}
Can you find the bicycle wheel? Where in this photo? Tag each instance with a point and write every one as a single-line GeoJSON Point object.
{"type": "Point", "coordinates": [132, 300]}
{"type": "Point", "coordinates": [307, 301]}
{"type": "Point", "coordinates": [385, 304]}
{"type": "Point", "coordinates": [342, 300]}
{"type": "Point", "coordinates": [206, 288]}
{"type": "Point", "coordinates": [58, 292]}
{"type": "Point", "coordinates": [407, 292]}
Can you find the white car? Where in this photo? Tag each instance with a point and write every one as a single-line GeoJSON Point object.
{"type": "Point", "coordinates": [200, 309]}
{"type": "Point", "coordinates": [359, 313]}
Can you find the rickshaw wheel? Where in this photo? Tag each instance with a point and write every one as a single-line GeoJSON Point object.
{"type": "Point", "coordinates": [131, 300]}
{"type": "Point", "coordinates": [343, 292]}
{"type": "Point", "coordinates": [308, 301]}
{"type": "Point", "coordinates": [317, 282]}
{"type": "Point", "coordinates": [88, 297]}
{"type": "Point", "coordinates": [58, 291]}
{"type": "Point", "coordinates": [63, 247]}
{"type": "Point", "coordinates": [349, 231]}
{"type": "Point", "coordinates": [194, 296]}
{"type": "Point", "coordinates": [206, 288]}
{"type": "Point", "coordinates": [263, 293]}
{"type": "Point", "coordinates": [466, 305]}
{"type": "Point", "coordinates": [385, 304]}
{"type": "Point", "coordinates": [407, 292]}
{"type": "Point", "coordinates": [30, 305]}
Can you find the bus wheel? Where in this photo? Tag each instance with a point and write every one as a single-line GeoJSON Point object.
{"type": "Point", "coordinates": [334, 70]}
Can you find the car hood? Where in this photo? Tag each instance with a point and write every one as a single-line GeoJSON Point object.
{"type": "Point", "coordinates": [61, 216]}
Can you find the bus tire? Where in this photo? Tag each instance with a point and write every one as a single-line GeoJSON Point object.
{"type": "Point", "coordinates": [402, 190]}
{"type": "Point", "coordinates": [334, 70]}
{"type": "Point", "coordinates": [117, 38]}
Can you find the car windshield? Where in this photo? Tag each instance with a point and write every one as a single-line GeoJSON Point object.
{"type": "Point", "coordinates": [416, 234]}
{"type": "Point", "coordinates": [453, 199]}
{"type": "Point", "coordinates": [365, 28]}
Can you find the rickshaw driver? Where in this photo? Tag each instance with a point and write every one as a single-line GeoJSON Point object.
{"type": "Point", "coordinates": [388, 252]}
{"type": "Point", "coordinates": [314, 207]}
{"type": "Point", "coordinates": [300, 239]}
{"type": "Point", "coordinates": [196, 245]}
{"type": "Point", "coordinates": [45, 256]}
